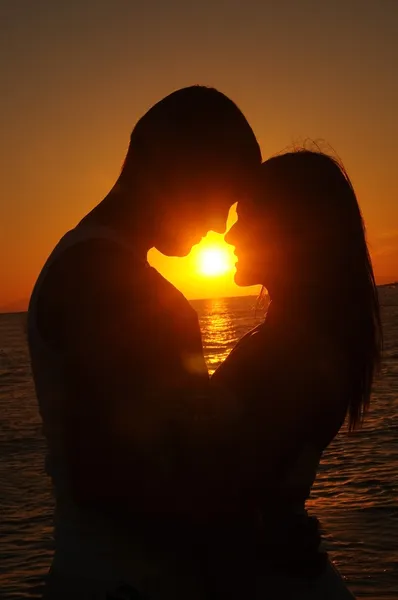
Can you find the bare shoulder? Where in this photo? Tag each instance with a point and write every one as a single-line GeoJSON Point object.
{"type": "Point", "coordinates": [82, 266]}
{"type": "Point", "coordinates": [87, 282]}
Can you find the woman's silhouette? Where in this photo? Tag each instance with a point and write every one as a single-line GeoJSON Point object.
{"type": "Point", "coordinates": [310, 364]}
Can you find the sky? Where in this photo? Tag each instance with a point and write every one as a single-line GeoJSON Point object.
{"type": "Point", "coordinates": [77, 75]}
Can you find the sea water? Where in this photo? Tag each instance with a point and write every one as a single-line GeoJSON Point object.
{"type": "Point", "coordinates": [355, 495]}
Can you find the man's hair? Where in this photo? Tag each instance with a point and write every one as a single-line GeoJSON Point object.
{"type": "Point", "coordinates": [194, 127]}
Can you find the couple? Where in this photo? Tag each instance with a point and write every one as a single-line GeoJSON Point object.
{"type": "Point", "coordinates": [169, 485]}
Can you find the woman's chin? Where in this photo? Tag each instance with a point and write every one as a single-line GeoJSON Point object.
{"type": "Point", "coordinates": [244, 278]}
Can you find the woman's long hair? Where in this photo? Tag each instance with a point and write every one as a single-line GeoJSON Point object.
{"type": "Point", "coordinates": [311, 196]}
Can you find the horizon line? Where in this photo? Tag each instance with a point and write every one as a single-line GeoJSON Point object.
{"type": "Point", "coordinates": [7, 310]}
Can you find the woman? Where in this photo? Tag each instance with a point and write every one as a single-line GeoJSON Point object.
{"type": "Point", "coordinates": [310, 364]}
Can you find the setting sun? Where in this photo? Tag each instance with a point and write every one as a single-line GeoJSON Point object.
{"type": "Point", "coordinates": [214, 261]}
{"type": "Point", "coordinates": [208, 270]}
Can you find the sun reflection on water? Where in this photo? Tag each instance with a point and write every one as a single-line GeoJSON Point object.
{"type": "Point", "coordinates": [223, 322]}
{"type": "Point", "coordinates": [218, 332]}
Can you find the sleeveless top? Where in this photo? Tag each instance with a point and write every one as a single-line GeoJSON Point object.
{"type": "Point", "coordinates": [87, 544]}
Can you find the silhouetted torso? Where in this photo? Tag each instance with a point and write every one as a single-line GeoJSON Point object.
{"type": "Point", "coordinates": [289, 540]}
{"type": "Point", "coordinates": [113, 346]}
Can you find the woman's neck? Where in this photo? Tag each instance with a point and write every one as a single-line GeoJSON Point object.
{"type": "Point", "coordinates": [304, 304]}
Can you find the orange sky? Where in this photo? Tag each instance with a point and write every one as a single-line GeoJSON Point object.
{"type": "Point", "coordinates": [76, 76]}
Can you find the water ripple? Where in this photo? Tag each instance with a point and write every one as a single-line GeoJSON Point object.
{"type": "Point", "coordinates": [355, 495]}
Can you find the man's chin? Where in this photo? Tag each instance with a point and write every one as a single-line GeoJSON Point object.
{"type": "Point", "coordinates": [177, 249]}
{"type": "Point", "coordinates": [181, 253]}
{"type": "Point", "coordinates": [174, 251]}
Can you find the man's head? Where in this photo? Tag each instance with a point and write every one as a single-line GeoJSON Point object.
{"type": "Point", "coordinates": [191, 156]}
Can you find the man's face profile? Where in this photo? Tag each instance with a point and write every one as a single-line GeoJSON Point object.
{"type": "Point", "coordinates": [184, 227]}
{"type": "Point", "coordinates": [188, 218]}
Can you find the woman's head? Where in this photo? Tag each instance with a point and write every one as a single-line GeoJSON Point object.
{"type": "Point", "coordinates": [304, 227]}
{"type": "Point", "coordinates": [302, 237]}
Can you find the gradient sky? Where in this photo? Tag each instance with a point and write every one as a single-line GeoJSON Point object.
{"type": "Point", "coordinates": [76, 75]}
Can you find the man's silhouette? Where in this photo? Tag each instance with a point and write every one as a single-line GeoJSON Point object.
{"type": "Point", "coordinates": [116, 349]}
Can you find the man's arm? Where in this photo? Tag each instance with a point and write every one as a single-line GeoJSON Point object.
{"type": "Point", "coordinates": [135, 437]}
{"type": "Point", "coordinates": [96, 312]}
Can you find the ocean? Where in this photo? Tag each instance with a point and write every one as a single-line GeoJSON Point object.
{"type": "Point", "coordinates": [355, 495]}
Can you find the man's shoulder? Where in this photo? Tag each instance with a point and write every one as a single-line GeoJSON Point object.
{"type": "Point", "coordinates": [104, 263]}
{"type": "Point", "coordinates": [98, 277]}
{"type": "Point", "coordinates": [93, 265]}
{"type": "Point", "coordinates": [89, 280]}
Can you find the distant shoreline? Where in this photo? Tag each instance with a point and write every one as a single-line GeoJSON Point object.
{"type": "Point", "coordinates": [393, 284]}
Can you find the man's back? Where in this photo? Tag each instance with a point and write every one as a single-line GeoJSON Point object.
{"type": "Point", "coordinates": [125, 337]}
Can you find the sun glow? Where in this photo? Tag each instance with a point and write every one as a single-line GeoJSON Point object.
{"type": "Point", "coordinates": [208, 270]}
{"type": "Point", "coordinates": [214, 260]}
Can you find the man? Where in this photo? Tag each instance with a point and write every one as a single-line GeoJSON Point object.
{"type": "Point", "coordinates": [116, 350]}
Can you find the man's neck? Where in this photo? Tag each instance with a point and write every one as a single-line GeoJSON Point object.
{"type": "Point", "coordinates": [113, 212]}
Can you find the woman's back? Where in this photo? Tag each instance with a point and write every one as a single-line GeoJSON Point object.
{"type": "Point", "coordinates": [293, 386]}
{"type": "Point", "coordinates": [272, 372]}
